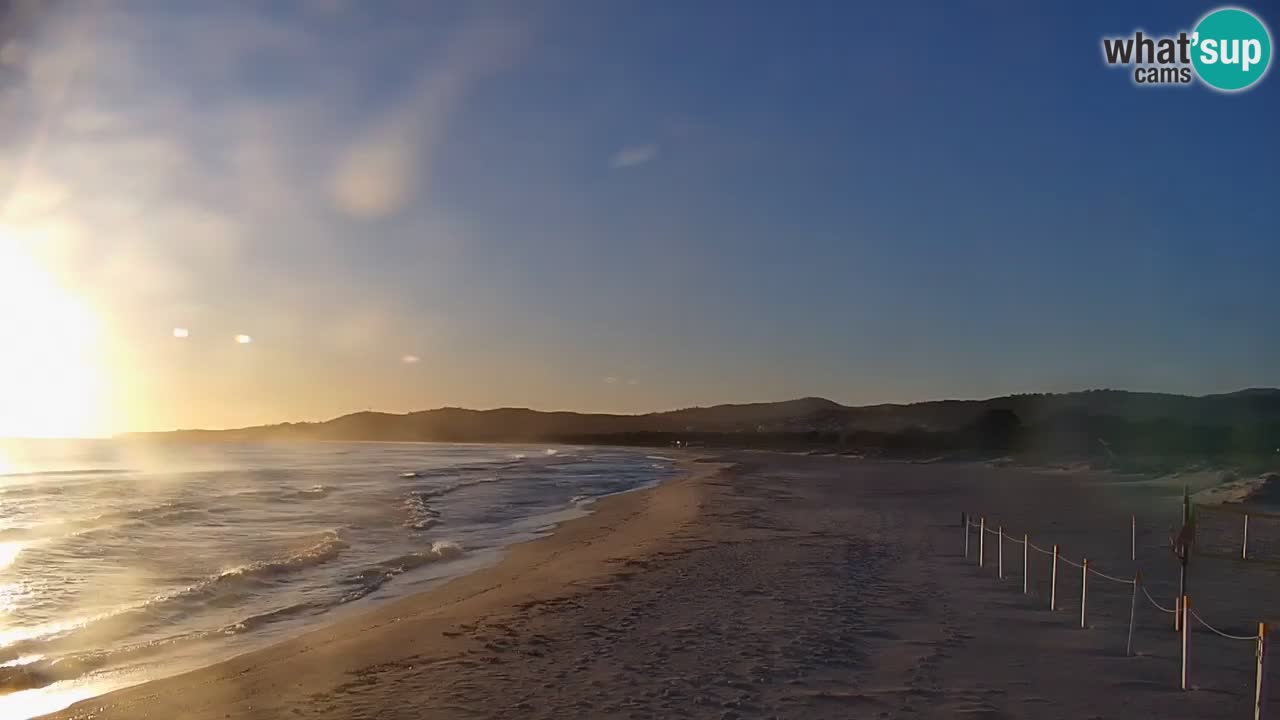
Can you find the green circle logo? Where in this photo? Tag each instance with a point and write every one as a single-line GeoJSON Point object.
{"type": "Point", "coordinates": [1232, 49]}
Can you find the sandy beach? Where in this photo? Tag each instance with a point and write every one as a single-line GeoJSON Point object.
{"type": "Point", "coordinates": [769, 585]}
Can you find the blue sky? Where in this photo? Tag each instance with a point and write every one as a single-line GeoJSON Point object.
{"type": "Point", "coordinates": [633, 206]}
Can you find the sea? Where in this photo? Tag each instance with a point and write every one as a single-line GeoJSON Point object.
{"type": "Point", "coordinates": [122, 562]}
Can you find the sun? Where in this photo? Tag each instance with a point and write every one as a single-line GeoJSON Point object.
{"type": "Point", "coordinates": [50, 381]}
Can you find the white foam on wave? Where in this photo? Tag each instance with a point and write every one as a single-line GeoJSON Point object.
{"type": "Point", "coordinates": [422, 515]}
{"type": "Point", "coordinates": [375, 577]}
{"type": "Point", "coordinates": [315, 491]}
{"type": "Point", "coordinates": [326, 548]}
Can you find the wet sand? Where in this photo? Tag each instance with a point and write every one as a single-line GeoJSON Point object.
{"type": "Point", "coordinates": [764, 586]}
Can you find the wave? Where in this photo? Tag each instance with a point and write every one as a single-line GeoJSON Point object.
{"type": "Point", "coordinates": [319, 554]}
{"type": "Point", "coordinates": [159, 510]}
{"type": "Point", "coordinates": [39, 670]}
{"type": "Point", "coordinates": [312, 493]}
{"type": "Point", "coordinates": [36, 664]}
{"type": "Point", "coordinates": [329, 546]}
{"type": "Point", "coordinates": [224, 589]}
{"type": "Point", "coordinates": [442, 490]}
{"type": "Point", "coordinates": [422, 515]}
{"type": "Point", "coordinates": [36, 671]}
{"type": "Point", "coordinates": [372, 578]}
{"type": "Point", "coordinates": [253, 622]}
{"type": "Point", "coordinates": [159, 515]}
{"type": "Point", "coordinates": [464, 468]}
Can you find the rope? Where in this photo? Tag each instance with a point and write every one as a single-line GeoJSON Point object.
{"type": "Point", "coordinates": [969, 525]}
{"type": "Point", "coordinates": [1109, 577]}
{"type": "Point", "coordinates": [1215, 630]}
{"type": "Point", "coordinates": [1159, 607]}
{"type": "Point", "coordinates": [1013, 539]}
{"type": "Point", "coordinates": [1037, 547]}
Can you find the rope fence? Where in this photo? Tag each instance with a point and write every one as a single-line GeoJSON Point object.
{"type": "Point", "coordinates": [1074, 565]}
{"type": "Point", "coordinates": [1230, 531]}
{"type": "Point", "coordinates": [1111, 578]}
{"type": "Point", "coordinates": [1033, 546]}
{"type": "Point", "coordinates": [1216, 631]}
{"type": "Point", "coordinates": [1157, 605]}
{"type": "Point", "coordinates": [1182, 612]}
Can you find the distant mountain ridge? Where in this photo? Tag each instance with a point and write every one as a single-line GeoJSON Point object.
{"type": "Point", "coordinates": [1250, 408]}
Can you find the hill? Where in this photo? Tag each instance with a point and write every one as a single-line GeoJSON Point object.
{"type": "Point", "coordinates": [1092, 423]}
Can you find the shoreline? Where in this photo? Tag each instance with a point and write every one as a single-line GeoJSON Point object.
{"type": "Point", "coordinates": [773, 586]}
{"type": "Point", "coordinates": [573, 552]}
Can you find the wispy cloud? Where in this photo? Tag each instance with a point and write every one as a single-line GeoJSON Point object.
{"type": "Point", "coordinates": [634, 156]}
{"type": "Point", "coordinates": [390, 159]}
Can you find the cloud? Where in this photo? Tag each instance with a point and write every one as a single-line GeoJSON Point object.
{"type": "Point", "coordinates": [378, 172]}
{"type": "Point", "coordinates": [390, 159]}
{"type": "Point", "coordinates": [12, 52]}
{"type": "Point", "coordinates": [410, 359]}
{"type": "Point", "coordinates": [634, 156]}
{"type": "Point", "coordinates": [611, 380]}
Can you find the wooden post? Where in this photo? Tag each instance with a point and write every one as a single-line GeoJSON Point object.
{"type": "Point", "coordinates": [1053, 584]}
{"type": "Point", "coordinates": [982, 540]}
{"type": "Point", "coordinates": [1186, 631]}
{"type": "Point", "coordinates": [1244, 546]}
{"type": "Point", "coordinates": [1000, 552]}
{"type": "Point", "coordinates": [1084, 590]}
{"type": "Point", "coordinates": [1133, 537]}
{"type": "Point", "coordinates": [1133, 609]}
{"type": "Point", "coordinates": [1026, 550]}
{"type": "Point", "coordinates": [1260, 692]}
{"type": "Point", "coordinates": [1184, 552]}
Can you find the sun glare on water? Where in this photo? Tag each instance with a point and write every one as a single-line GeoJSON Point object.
{"type": "Point", "coordinates": [50, 384]}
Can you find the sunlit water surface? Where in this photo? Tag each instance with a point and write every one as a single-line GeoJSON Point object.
{"type": "Point", "coordinates": [121, 563]}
